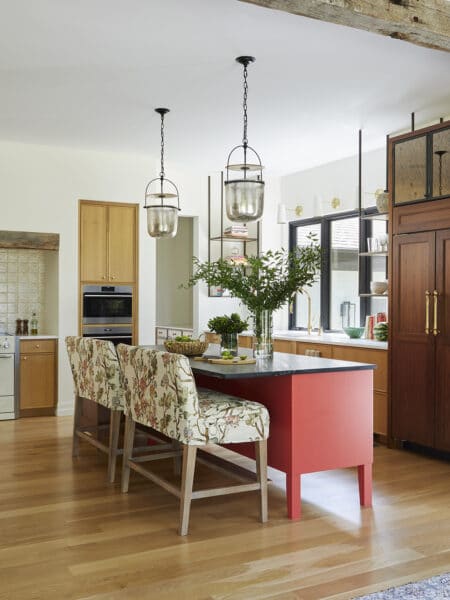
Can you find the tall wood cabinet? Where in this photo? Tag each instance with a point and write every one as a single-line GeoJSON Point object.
{"type": "Point", "coordinates": [108, 249]}
{"type": "Point", "coordinates": [420, 293]}
{"type": "Point", "coordinates": [108, 242]}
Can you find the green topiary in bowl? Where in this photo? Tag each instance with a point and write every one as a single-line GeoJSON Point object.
{"type": "Point", "coordinates": [354, 332]}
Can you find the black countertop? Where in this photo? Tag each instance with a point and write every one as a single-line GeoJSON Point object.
{"type": "Point", "coordinates": [280, 364]}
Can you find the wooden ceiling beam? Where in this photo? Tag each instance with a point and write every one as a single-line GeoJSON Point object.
{"type": "Point", "coordinates": [422, 22]}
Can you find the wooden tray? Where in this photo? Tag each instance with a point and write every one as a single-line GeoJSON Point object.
{"type": "Point", "coordinates": [223, 361]}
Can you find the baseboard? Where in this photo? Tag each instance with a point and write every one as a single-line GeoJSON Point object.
{"type": "Point", "coordinates": [37, 412]}
{"type": "Point", "coordinates": [380, 438]}
{"type": "Point", "coordinates": [64, 411]}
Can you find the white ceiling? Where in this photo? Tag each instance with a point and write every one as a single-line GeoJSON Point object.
{"type": "Point", "coordinates": [88, 73]}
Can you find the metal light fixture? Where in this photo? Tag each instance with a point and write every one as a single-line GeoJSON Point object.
{"type": "Point", "coordinates": [244, 197]}
{"type": "Point", "coordinates": [162, 219]}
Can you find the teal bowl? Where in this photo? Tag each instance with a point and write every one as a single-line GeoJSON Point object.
{"type": "Point", "coordinates": [354, 332]}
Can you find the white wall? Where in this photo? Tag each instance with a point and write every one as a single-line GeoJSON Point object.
{"type": "Point", "coordinates": [313, 190]}
{"type": "Point", "coordinates": [174, 267]}
{"type": "Point", "coordinates": [39, 191]}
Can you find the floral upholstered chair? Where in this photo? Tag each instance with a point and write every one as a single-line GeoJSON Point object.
{"type": "Point", "coordinates": [95, 371]}
{"type": "Point", "coordinates": [160, 392]}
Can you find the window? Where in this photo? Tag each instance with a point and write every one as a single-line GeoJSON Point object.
{"type": "Point", "coordinates": [335, 296]}
{"type": "Point", "coordinates": [344, 273]}
{"type": "Point", "coordinates": [301, 301]}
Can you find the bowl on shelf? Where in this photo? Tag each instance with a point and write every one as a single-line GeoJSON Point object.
{"type": "Point", "coordinates": [382, 201]}
{"type": "Point", "coordinates": [354, 332]}
{"type": "Point", "coordinates": [378, 287]}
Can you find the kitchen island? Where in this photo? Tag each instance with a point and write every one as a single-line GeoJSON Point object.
{"type": "Point", "coordinates": [320, 415]}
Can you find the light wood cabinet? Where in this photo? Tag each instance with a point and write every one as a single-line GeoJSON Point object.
{"type": "Point", "coordinates": [380, 379]}
{"type": "Point", "coordinates": [108, 242]}
{"type": "Point", "coordinates": [245, 341]}
{"type": "Point", "coordinates": [284, 346]}
{"type": "Point", "coordinates": [38, 377]}
{"type": "Point", "coordinates": [351, 353]}
{"type": "Point", "coordinates": [308, 348]}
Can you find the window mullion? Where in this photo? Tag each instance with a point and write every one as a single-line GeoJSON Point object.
{"type": "Point", "coordinates": [325, 274]}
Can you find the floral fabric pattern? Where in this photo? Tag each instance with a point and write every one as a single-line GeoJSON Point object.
{"type": "Point", "coordinates": [95, 370]}
{"type": "Point", "coordinates": [160, 392]}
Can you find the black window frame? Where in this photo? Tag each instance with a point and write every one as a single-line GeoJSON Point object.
{"type": "Point", "coordinates": [325, 221]}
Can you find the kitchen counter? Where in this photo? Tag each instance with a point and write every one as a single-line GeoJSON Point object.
{"type": "Point", "coordinates": [338, 339]}
{"type": "Point", "coordinates": [37, 337]}
{"type": "Point", "coordinates": [280, 364]}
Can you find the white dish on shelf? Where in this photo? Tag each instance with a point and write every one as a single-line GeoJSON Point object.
{"type": "Point", "coordinates": [378, 287]}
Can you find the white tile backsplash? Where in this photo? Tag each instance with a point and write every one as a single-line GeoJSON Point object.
{"type": "Point", "coordinates": [22, 281]}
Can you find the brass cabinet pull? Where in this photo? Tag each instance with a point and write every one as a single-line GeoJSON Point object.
{"type": "Point", "coordinates": [427, 311]}
{"type": "Point", "coordinates": [435, 316]}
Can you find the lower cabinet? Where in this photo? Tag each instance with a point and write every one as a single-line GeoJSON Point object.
{"type": "Point", "coordinates": [38, 377]}
{"type": "Point", "coordinates": [380, 396]}
{"type": "Point", "coordinates": [311, 349]}
{"type": "Point", "coordinates": [374, 356]}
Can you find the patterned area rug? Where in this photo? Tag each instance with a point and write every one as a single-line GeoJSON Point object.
{"type": "Point", "coordinates": [435, 588]}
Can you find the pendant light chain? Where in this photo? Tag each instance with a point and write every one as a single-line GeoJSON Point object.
{"type": "Point", "coordinates": [161, 174]}
{"type": "Point", "coordinates": [245, 139]}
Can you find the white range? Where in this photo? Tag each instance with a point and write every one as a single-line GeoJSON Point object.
{"type": "Point", "coordinates": [7, 379]}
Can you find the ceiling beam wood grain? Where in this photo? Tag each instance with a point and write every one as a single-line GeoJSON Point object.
{"type": "Point", "coordinates": [422, 22]}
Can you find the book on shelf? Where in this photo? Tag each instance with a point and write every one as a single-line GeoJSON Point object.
{"type": "Point", "coordinates": [371, 321]}
{"type": "Point", "coordinates": [236, 230]}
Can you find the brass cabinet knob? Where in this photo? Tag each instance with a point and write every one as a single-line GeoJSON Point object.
{"type": "Point", "coordinates": [24, 358]}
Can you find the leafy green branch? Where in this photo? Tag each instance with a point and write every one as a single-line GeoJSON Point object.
{"type": "Point", "coordinates": [267, 281]}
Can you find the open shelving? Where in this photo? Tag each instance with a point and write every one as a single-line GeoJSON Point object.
{"type": "Point", "coordinates": [220, 244]}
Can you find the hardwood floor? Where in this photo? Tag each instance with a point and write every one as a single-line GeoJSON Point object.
{"type": "Point", "coordinates": [65, 533]}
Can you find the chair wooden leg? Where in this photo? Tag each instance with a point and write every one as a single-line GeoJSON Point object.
{"type": "Point", "coordinates": [176, 459]}
{"type": "Point", "coordinates": [114, 430]}
{"type": "Point", "coordinates": [261, 473]}
{"type": "Point", "coordinates": [127, 451]}
{"type": "Point", "coordinates": [78, 408]}
{"type": "Point", "coordinates": [187, 480]}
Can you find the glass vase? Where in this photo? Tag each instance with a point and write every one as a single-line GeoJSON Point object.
{"type": "Point", "coordinates": [229, 342]}
{"type": "Point", "coordinates": [263, 334]}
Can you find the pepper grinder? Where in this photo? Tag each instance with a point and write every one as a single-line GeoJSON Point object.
{"type": "Point", "coordinates": [18, 326]}
{"type": "Point", "coordinates": [25, 327]}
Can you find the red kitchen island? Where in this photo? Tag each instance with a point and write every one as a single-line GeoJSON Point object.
{"type": "Point", "coordinates": [321, 415]}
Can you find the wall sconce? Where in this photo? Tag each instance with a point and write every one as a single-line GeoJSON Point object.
{"type": "Point", "coordinates": [283, 210]}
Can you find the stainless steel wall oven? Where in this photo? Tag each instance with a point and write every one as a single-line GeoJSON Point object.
{"type": "Point", "coordinates": [107, 304]}
{"type": "Point", "coordinates": [115, 334]}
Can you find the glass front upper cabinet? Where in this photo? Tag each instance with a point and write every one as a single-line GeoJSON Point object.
{"type": "Point", "coordinates": [410, 170]}
{"type": "Point", "coordinates": [441, 163]}
{"type": "Point", "coordinates": [422, 167]}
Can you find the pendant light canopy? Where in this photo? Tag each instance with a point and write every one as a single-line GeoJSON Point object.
{"type": "Point", "coordinates": [244, 197]}
{"type": "Point", "coordinates": [162, 219]}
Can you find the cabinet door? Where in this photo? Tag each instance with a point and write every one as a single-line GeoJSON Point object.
{"type": "Point", "coordinates": [284, 346]}
{"type": "Point", "coordinates": [93, 242]}
{"type": "Point", "coordinates": [37, 381]}
{"type": "Point", "coordinates": [410, 170]}
{"type": "Point", "coordinates": [441, 163]}
{"type": "Point", "coordinates": [122, 243]}
{"type": "Point", "coordinates": [324, 350]}
{"type": "Point", "coordinates": [443, 340]}
{"type": "Point", "coordinates": [378, 358]}
{"type": "Point", "coordinates": [412, 349]}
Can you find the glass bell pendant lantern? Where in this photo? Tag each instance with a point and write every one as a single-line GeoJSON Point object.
{"type": "Point", "coordinates": [244, 196]}
{"type": "Point", "coordinates": [162, 218]}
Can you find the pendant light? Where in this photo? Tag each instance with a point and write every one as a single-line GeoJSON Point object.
{"type": "Point", "coordinates": [244, 197]}
{"type": "Point", "coordinates": [162, 219]}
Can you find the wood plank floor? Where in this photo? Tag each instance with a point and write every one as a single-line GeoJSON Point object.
{"type": "Point", "coordinates": [65, 533]}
